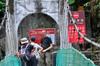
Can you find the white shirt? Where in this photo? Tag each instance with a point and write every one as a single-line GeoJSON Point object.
{"type": "Point", "coordinates": [36, 51]}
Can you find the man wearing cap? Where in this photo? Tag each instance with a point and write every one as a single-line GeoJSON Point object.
{"type": "Point", "coordinates": [24, 53]}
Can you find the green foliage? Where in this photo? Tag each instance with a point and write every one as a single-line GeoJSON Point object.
{"type": "Point", "coordinates": [71, 1]}
{"type": "Point", "coordinates": [2, 5]}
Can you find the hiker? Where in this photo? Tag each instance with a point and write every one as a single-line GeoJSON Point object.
{"type": "Point", "coordinates": [25, 50]}
{"type": "Point", "coordinates": [37, 50]}
{"type": "Point", "coordinates": [47, 45]}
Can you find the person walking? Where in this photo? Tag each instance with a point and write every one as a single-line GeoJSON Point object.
{"type": "Point", "coordinates": [24, 52]}
{"type": "Point", "coordinates": [47, 45]}
{"type": "Point", "coordinates": [37, 50]}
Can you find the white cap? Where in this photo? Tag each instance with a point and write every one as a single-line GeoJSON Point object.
{"type": "Point", "coordinates": [24, 40]}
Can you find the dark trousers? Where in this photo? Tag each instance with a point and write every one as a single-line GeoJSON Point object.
{"type": "Point", "coordinates": [32, 62]}
{"type": "Point", "coordinates": [46, 59]}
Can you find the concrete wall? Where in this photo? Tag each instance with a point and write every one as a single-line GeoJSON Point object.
{"type": "Point", "coordinates": [25, 7]}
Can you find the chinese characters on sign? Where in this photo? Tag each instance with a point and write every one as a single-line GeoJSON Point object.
{"type": "Point", "coordinates": [73, 35]}
{"type": "Point", "coordinates": [38, 33]}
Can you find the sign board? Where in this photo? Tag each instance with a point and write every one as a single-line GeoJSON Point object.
{"type": "Point", "coordinates": [79, 16]}
{"type": "Point", "coordinates": [73, 35]}
{"type": "Point", "coordinates": [75, 15]}
{"type": "Point", "coordinates": [38, 33]}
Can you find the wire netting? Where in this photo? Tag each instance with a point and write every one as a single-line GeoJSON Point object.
{"type": "Point", "coordinates": [72, 57]}
{"type": "Point", "coordinates": [10, 61]}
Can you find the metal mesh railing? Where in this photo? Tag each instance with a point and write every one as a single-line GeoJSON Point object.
{"type": "Point", "coordinates": [10, 61]}
{"type": "Point", "coordinates": [72, 57]}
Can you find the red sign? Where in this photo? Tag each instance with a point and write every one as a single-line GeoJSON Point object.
{"type": "Point", "coordinates": [75, 15]}
{"type": "Point", "coordinates": [38, 33]}
{"type": "Point", "coordinates": [78, 16]}
{"type": "Point", "coordinates": [73, 35]}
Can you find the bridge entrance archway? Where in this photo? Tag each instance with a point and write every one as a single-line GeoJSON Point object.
{"type": "Point", "coordinates": [38, 21]}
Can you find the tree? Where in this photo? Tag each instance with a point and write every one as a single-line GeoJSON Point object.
{"type": "Point", "coordinates": [2, 5]}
